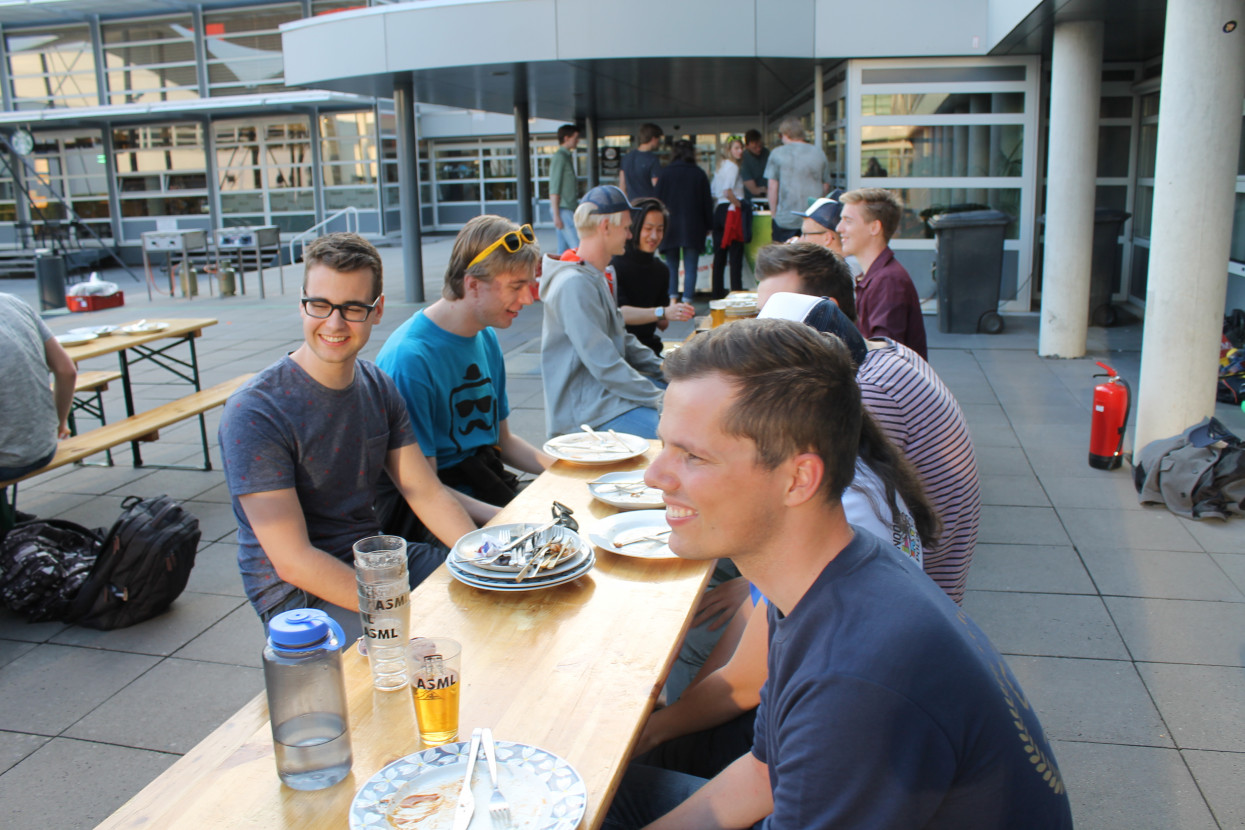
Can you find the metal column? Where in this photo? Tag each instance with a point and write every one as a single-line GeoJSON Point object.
{"type": "Point", "coordinates": [590, 138]}
{"type": "Point", "coordinates": [522, 146]}
{"type": "Point", "coordinates": [408, 189]}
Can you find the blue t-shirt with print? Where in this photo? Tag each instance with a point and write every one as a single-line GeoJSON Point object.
{"type": "Point", "coordinates": [886, 706]}
{"type": "Point", "coordinates": [454, 387]}
{"type": "Point", "coordinates": [284, 430]}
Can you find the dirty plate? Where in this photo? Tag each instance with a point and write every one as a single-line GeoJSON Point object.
{"type": "Point", "coordinates": [142, 328]}
{"type": "Point", "coordinates": [626, 491]}
{"type": "Point", "coordinates": [421, 790]}
{"type": "Point", "coordinates": [622, 526]}
{"type": "Point", "coordinates": [582, 448]}
{"type": "Point", "coordinates": [98, 331]}
{"type": "Point", "coordinates": [72, 339]}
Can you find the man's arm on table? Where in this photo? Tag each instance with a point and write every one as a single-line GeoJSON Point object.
{"type": "Point", "coordinates": [519, 454]}
{"type": "Point", "coordinates": [276, 517]}
{"type": "Point", "coordinates": [64, 374]}
{"type": "Point", "coordinates": [738, 797]}
{"type": "Point", "coordinates": [437, 506]}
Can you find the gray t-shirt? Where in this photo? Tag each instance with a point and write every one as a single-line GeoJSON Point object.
{"type": "Point", "coordinates": [27, 409]}
{"type": "Point", "coordinates": [801, 170]}
{"type": "Point", "coordinates": [282, 430]}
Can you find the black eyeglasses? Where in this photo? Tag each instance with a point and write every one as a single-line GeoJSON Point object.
{"type": "Point", "coordinates": [321, 309]}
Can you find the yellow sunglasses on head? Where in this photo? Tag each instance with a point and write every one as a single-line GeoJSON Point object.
{"type": "Point", "coordinates": [512, 241]}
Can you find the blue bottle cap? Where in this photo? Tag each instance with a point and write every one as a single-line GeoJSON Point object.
{"type": "Point", "coordinates": [302, 629]}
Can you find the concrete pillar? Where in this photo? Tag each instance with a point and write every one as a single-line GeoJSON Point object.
{"type": "Point", "coordinates": [1195, 170]}
{"type": "Point", "coordinates": [317, 163]}
{"type": "Point", "coordinates": [819, 109]}
{"type": "Point", "coordinates": [408, 190]}
{"type": "Point", "coordinates": [523, 162]}
{"type": "Point", "coordinates": [1075, 87]}
{"type": "Point", "coordinates": [590, 148]}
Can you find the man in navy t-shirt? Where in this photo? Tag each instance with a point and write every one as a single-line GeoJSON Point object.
{"type": "Point", "coordinates": [885, 705]}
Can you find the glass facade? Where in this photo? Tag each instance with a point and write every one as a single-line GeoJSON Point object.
{"type": "Point", "coordinates": [150, 60]}
{"type": "Point", "coordinates": [52, 68]}
{"type": "Point", "coordinates": [244, 48]}
{"type": "Point", "coordinates": [161, 170]}
{"type": "Point", "coordinates": [264, 173]}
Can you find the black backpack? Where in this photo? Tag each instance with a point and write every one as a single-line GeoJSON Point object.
{"type": "Point", "coordinates": [43, 564]}
{"type": "Point", "coordinates": [143, 565]}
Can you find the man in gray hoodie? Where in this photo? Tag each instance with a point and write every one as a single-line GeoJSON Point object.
{"type": "Point", "coordinates": [594, 371]}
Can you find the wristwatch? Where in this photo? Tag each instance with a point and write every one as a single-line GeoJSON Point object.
{"type": "Point", "coordinates": [659, 312]}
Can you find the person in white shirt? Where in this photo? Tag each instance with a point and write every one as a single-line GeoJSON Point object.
{"type": "Point", "coordinates": [732, 220]}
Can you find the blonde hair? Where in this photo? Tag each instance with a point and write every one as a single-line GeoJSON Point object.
{"type": "Point", "coordinates": [475, 236]}
{"type": "Point", "coordinates": [587, 217]}
{"type": "Point", "coordinates": [725, 152]}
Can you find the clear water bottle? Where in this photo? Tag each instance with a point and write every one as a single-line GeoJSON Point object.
{"type": "Point", "coordinates": [307, 699]}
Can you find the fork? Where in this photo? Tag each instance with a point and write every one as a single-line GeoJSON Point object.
{"type": "Point", "coordinates": [498, 807]}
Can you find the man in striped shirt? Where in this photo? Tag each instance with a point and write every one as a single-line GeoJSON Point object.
{"type": "Point", "coordinates": [911, 403]}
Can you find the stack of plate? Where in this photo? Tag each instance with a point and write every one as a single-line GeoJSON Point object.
{"type": "Point", "coordinates": [470, 567]}
{"type": "Point", "coordinates": [603, 448]}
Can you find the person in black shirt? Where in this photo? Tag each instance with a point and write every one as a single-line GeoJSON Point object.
{"type": "Point", "coordinates": [642, 277]}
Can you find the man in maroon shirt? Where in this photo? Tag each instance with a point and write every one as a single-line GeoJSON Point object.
{"type": "Point", "coordinates": [887, 304]}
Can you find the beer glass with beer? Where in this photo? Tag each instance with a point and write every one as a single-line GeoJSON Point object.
{"type": "Point", "coordinates": [435, 683]}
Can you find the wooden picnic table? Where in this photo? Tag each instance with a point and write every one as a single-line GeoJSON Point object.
{"type": "Point", "coordinates": [573, 669]}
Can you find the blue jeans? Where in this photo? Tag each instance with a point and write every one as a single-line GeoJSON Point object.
{"type": "Point", "coordinates": [7, 473]}
{"type": "Point", "coordinates": [691, 260]}
{"type": "Point", "coordinates": [646, 794]}
{"type": "Point", "coordinates": [568, 237]}
{"type": "Point", "coordinates": [641, 421]}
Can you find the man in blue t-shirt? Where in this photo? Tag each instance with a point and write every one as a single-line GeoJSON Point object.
{"type": "Point", "coordinates": [305, 441]}
{"type": "Point", "coordinates": [448, 368]}
{"type": "Point", "coordinates": [885, 706]}
{"type": "Point", "coordinates": [641, 167]}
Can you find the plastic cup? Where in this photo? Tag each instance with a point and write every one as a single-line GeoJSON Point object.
{"type": "Point", "coordinates": [384, 609]}
{"type": "Point", "coordinates": [436, 664]}
{"type": "Point", "coordinates": [717, 313]}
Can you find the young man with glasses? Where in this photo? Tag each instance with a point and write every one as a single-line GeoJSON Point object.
{"type": "Point", "coordinates": [305, 440]}
{"type": "Point", "coordinates": [448, 367]}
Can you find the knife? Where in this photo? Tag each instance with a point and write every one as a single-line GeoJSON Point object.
{"type": "Point", "coordinates": [466, 800]}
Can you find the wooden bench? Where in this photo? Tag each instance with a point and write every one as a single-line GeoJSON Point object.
{"type": "Point", "coordinates": [145, 426]}
{"type": "Point", "coordinates": [89, 388]}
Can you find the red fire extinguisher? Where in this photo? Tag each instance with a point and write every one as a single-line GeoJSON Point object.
{"type": "Point", "coordinates": [1106, 436]}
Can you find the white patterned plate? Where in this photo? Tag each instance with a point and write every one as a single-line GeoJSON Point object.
{"type": "Point", "coordinates": [500, 583]}
{"type": "Point", "coordinates": [466, 550]}
{"type": "Point", "coordinates": [634, 497]}
{"type": "Point", "coordinates": [582, 448]}
{"type": "Point", "coordinates": [544, 791]}
{"type": "Point", "coordinates": [634, 522]}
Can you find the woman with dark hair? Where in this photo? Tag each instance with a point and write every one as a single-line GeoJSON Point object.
{"type": "Point", "coordinates": [684, 188]}
{"type": "Point", "coordinates": [642, 278]}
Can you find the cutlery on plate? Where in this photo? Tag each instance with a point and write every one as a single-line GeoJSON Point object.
{"type": "Point", "coordinates": [647, 534]}
{"type": "Point", "coordinates": [466, 800]}
{"type": "Point", "coordinates": [498, 807]}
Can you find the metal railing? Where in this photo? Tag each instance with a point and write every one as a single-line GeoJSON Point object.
{"type": "Point", "coordinates": [352, 225]}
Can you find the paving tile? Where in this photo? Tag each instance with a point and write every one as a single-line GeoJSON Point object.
{"type": "Point", "coordinates": [1017, 491]}
{"type": "Point", "coordinates": [74, 785]}
{"type": "Point", "coordinates": [1216, 535]}
{"type": "Point", "coordinates": [238, 640]}
{"type": "Point", "coordinates": [1001, 461]}
{"type": "Point", "coordinates": [216, 520]}
{"type": "Point", "coordinates": [190, 615]}
{"type": "Point", "coordinates": [983, 416]}
{"type": "Point", "coordinates": [1045, 569]}
{"type": "Point", "coordinates": [1232, 564]}
{"type": "Point", "coordinates": [172, 707]}
{"type": "Point", "coordinates": [177, 484]}
{"type": "Point", "coordinates": [1067, 414]}
{"type": "Point", "coordinates": [1180, 631]}
{"type": "Point", "coordinates": [1219, 775]}
{"type": "Point", "coordinates": [92, 481]}
{"type": "Point", "coordinates": [1203, 705]}
{"type": "Point", "coordinates": [219, 494]}
{"type": "Point", "coordinates": [216, 571]}
{"type": "Point", "coordinates": [1090, 700]}
{"type": "Point", "coordinates": [1098, 490]}
{"type": "Point", "coordinates": [15, 627]}
{"type": "Point", "coordinates": [1114, 787]}
{"type": "Point", "coordinates": [1044, 437]}
{"type": "Point", "coordinates": [47, 503]}
{"type": "Point", "coordinates": [1163, 574]}
{"type": "Point", "coordinates": [528, 424]}
{"type": "Point", "coordinates": [99, 511]}
{"type": "Point", "coordinates": [1049, 625]}
{"type": "Point", "coordinates": [14, 746]}
{"type": "Point", "coordinates": [1150, 529]}
{"type": "Point", "coordinates": [10, 650]}
{"type": "Point", "coordinates": [1020, 526]}
{"type": "Point", "coordinates": [51, 686]}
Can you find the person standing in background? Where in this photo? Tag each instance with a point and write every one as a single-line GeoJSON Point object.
{"type": "Point", "coordinates": [732, 219]}
{"type": "Point", "coordinates": [564, 187]}
{"type": "Point", "coordinates": [684, 189]}
{"type": "Point", "coordinates": [798, 173]}
{"type": "Point", "coordinates": [641, 167]}
{"type": "Point", "coordinates": [752, 166]}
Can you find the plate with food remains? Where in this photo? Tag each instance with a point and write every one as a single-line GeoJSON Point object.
{"type": "Point", "coordinates": [75, 339]}
{"type": "Point", "coordinates": [626, 491]}
{"type": "Point", "coordinates": [600, 448]}
{"type": "Point", "coordinates": [98, 331]}
{"type": "Point", "coordinates": [142, 327]}
{"type": "Point", "coordinates": [643, 534]}
{"type": "Point", "coordinates": [420, 791]}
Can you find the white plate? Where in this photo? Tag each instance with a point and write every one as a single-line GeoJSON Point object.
{"type": "Point", "coordinates": [465, 550]}
{"type": "Point", "coordinates": [503, 585]}
{"type": "Point", "coordinates": [544, 791]}
{"type": "Point", "coordinates": [609, 528]}
{"type": "Point", "coordinates": [582, 448]}
{"type": "Point", "coordinates": [573, 561]}
{"type": "Point", "coordinates": [72, 339]}
{"type": "Point", "coordinates": [646, 498]}
{"type": "Point", "coordinates": [98, 331]}
{"type": "Point", "coordinates": [142, 328]}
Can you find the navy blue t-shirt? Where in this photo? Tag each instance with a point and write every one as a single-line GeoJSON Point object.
{"type": "Point", "coordinates": [886, 706]}
{"type": "Point", "coordinates": [284, 430]}
{"type": "Point", "coordinates": [640, 168]}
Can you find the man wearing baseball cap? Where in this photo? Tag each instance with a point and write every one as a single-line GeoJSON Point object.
{"type": "Point", "coordinates": [818, 228]}
{"type": "Point", "coordinates": [594, 371]}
